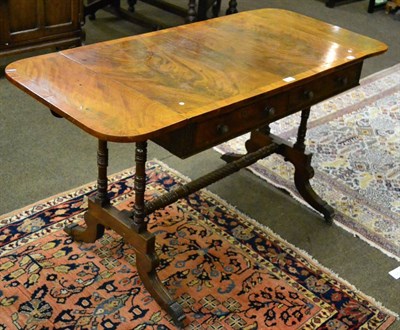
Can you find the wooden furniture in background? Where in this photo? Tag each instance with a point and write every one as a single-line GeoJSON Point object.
{"type": "Point", "coordinates": [196, 10]}
{"type": "Point", "coordinates": [376, 4]}
{"type": "Point", "coordinates": [27, 25]}
{"type": "Point", "coordinates": [189, 89]}
{"type": "Point", "coordinates": [392, 6]}
{"type": "Point", "coordinates": [333, 3]}
{"type": "Point", "coordinates": [372, 4]}
{"type": "Point", "coordinates": [192, 12]}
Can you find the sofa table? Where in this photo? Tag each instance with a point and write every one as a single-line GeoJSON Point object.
{"type": "Point", "coordinates": [190, 88]}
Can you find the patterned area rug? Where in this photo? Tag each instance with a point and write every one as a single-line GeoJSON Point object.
{"type": "Point", "coordinates": [227, 271]}
{"type": "Point", "coordinates": [355, 139]}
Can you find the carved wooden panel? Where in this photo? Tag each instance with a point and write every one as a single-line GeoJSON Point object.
{"type": "Point", "coordinates": [30, 24]}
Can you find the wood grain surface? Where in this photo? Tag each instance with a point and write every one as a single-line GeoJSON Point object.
{"type": "Point", "coordinates": [139, 87]}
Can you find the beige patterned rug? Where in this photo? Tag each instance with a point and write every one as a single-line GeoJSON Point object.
{"type": "Point", "coordinates": [355, 139]}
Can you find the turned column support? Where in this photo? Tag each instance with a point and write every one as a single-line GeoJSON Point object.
{"type": "Point", "coordinates": [139, 214]}
{"type": "Point", "coordinates": [191, 14]}
{"type": "Point", "coordinates": [94, 229]}
{"type": "Point", "coordinates": [102, 179]}
{"type": "Point", "coordinates": [302, 131]}
{"type": "Point", "coordinates": [131, 5]}
{"type": "Point", "coordinates": [232, 8]}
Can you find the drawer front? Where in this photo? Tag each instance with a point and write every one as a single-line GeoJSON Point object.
{"type": "Point", "coordinates": [197, 137]}
{"type": "Point", "coordinates": [227, 126]}
{"type": "Point", "coordinates": [313, 92]}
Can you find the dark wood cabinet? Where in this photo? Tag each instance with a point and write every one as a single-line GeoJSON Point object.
{"type": "Point", "coordinates": [27, 25]}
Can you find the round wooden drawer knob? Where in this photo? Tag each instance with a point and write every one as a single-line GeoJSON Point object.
{"type": "Point", "coordinates": [309, 95]}
{"type": "Point", "coordinates": [269, 111]}
{"type": "Point", "coordinates": [222, 129]}
{"type": "Point", "coordinates": [343, 81]}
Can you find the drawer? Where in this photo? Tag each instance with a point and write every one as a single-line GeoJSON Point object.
{"type": "Point", "coordinates": [222, 128]}
{"type": "Point", "coordinates": [209, 132]}
{"type": "Point", "coordinates": [318, 90]}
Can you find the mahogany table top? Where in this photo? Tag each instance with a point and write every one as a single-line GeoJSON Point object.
{"type": "Point", "coordinates": [137, 88]}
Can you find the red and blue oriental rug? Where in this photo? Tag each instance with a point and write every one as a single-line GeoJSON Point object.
{"type": "Point", "coordinates": [227, 271]}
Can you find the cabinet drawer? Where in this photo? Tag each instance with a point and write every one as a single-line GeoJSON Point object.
{"type": "Point", "coordinates": [313, 92]}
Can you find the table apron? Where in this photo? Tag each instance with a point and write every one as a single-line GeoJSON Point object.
{"type": "Point", "coordinates": [265, 109]}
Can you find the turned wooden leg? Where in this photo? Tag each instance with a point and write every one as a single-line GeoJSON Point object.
{"type": "Point", "coordinates": [139, 223]}
{"type": "Point", "coordinates": [330, 3]}
{"type": "Point", "coordinates": [371, 6]}
{"type": "Point", "coordinates": [131, 5]}
{"type": "Point", "coordinates": [232, 8]}
{"type": "Point", "coordinates": [302, 131]}
{"type": "Point", "coordinates": [146, 257]}
{"type": "Point", "coordinates": [102, 180]}
{"type": "Point", "coordinates": [191, 14]}
{"type": "Point", "coordinates": [94, 230]}
{"type": "Point", "coordinates": [93, 6]}
{"type": "Point", "coordinates": [216, 8]}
